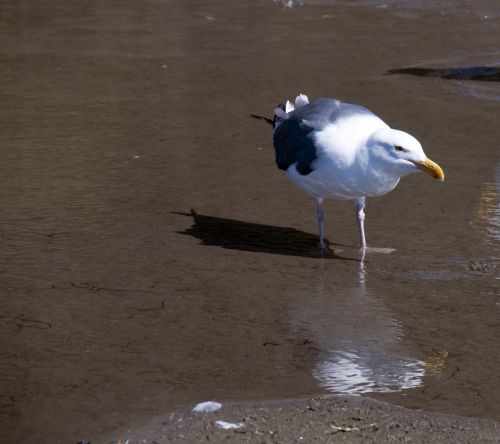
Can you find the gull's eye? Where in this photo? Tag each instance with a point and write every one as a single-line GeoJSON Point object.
{"type": "Point", "coordinates": [399, 148]}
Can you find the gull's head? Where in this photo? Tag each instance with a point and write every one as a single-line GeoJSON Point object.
{"type": "Point", "coordinates": [398, 153]}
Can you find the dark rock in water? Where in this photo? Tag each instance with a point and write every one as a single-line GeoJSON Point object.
{"type": "Point", "coordinates": [484, 73]}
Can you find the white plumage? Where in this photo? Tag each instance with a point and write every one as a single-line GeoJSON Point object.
{"type": "Point", "coordinates": [331, 149]}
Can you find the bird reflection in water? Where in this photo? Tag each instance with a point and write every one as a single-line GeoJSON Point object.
{"type": "Point", "coordinates": [361, 343]}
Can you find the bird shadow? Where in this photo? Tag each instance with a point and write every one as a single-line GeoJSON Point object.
{"type": "Point", "coordinates": [245, 236]}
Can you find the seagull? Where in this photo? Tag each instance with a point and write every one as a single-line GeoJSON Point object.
{"type": "Point", "coordinates": [331, 149]}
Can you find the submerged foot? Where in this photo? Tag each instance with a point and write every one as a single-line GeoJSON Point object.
{"type": "Point", "coordinates": [325, 249]}
{"type": "Point", "coordinates": [364, 250]}
{"type": "Point", "coordinates": [377, 250]}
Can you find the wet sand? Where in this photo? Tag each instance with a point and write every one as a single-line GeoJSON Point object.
{"type": "Point", "coordinates": [327, 419]}
{"type": "Point", "coordinates": [119, 303]}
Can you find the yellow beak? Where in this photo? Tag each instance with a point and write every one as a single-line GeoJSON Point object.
{"type": "Point", "coordinates": [431, 168]}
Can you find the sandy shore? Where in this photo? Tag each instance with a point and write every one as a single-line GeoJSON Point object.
{"type": "Point", "coordinates": [323, 419]}
{"type": "Point", "coordinates": [119, 303]}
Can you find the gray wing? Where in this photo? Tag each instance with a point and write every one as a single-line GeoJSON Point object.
{"type": "Point", "coordinates": [293, 142]}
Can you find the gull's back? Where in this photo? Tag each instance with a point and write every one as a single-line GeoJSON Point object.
{"type": "Point", "coordinates": [295, 131]}
{"type": "Point", "coordinates": [322, 145]}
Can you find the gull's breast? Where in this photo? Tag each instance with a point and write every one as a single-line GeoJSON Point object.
{"type": "Point", "coordinates": [342, 168]}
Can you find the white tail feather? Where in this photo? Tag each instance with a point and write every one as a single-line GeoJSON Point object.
{"type": "Point", "coordinates": [301, 100]}
{"type": "Point", "coordinates": [282, 111]}
{"type": "Point", "coordinates": [289, 107]}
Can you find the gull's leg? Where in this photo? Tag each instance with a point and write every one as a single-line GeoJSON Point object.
{"type": "Point", "coordinates": [321, 216]}
{"type": "Point", "coordinates": [362, 271]}
{"type": "Point", "coordinates": [360, 216]}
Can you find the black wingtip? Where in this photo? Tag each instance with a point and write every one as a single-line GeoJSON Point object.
{"type": "Point", "coordinates": [270, 121]}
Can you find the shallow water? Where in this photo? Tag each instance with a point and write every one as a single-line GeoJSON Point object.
{"type": "Point", "coordinates": [120, 303]}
